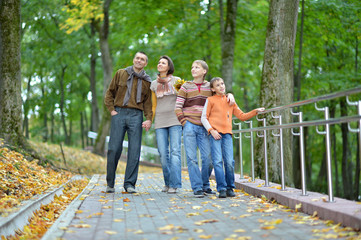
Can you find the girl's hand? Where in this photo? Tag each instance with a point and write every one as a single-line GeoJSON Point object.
{"type": "Point", "coordinates": [215, 134]}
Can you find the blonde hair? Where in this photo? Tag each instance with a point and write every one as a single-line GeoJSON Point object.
{"type": "Point", "coordinates": [204, 66]}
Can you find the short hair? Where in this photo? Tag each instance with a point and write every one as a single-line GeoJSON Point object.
{"type": "Point", "coordinates": [204, 66]}
{"type": "Point", "coordinates": [142, 53]}
{"type": "Point", "coordinates": [213, 80]}
{"type": "Point", "coordinates": [170, 64]}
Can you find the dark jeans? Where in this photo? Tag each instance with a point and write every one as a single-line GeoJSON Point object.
{"type": "Point", "coordinates": [127, 120]}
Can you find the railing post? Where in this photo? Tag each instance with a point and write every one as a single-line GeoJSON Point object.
{"type": "Point", "coordinates": [358, 104]}
{"type": "Point", "coordinates": [240, 150]}
{"type": "Point", "coordinates": [328, 152]}
{"type": "Point", "coordinates": [302, 154]}
{"type": "Point", "coordinates": [266, 184]}
{"type": "Point", "coordinates": [252, 156]}
{"type": "Point", "coordinates": [281, 150]}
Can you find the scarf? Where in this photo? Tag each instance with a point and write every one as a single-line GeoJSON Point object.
{"type": "Point", "coordinates": [164, 86]}
{"type": "Point", "coordinates": [141, 76]}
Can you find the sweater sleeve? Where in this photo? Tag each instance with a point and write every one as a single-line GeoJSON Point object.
{"type": "Point", "coordinates": [205, 114]}
{"type": "Point", "coordinates": [241, 115]}
{"type": "Point", "coordinates": [182, 95]}
{"type": "Point", "coordinates": [154, 104]}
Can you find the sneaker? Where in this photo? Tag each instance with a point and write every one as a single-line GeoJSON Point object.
{"type": "Point", "coordinates": [131, 190]}
{"type": "Point", "coordinates": [165, 189]}
{"type": "Point", "coordinates": [230, 193]}
{"type": "Point", "coordinates": [199, 194]}
{"type": "Point", "coordinates": [172, 190]}
{"type": "Point", "coordinates": [209, 191]}
{"type": "Point", "coordinates": [110, 189]}
{"type": "Point", "coordinates": [222, 194]}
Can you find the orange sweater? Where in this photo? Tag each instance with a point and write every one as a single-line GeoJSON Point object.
{"type": "Point", "coordinates": [217, 114]}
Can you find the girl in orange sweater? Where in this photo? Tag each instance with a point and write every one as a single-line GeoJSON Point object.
{"type": "Point", "coordinates": [217, 119]}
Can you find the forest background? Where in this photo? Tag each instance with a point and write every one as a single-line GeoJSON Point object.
{"type": "Point", "coordinates": [70, 49]}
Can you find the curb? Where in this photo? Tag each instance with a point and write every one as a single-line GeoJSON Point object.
{"type": "Point", "coordinates": [343, 211]}
{"type": "Point", "coordinates": [19, 219]}
{"type": "Point", "coordinates": [60, 225]}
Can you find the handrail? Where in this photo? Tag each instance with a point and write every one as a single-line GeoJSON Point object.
{"type": "Point", "coordinates": [326, 121]}
{"type": "Point", "coordinates": [303, 124]}
{"type": "Point", "coordinates": [316, 99]}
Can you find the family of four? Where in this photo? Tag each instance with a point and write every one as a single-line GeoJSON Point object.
{"type": "Point", "coordinates": [200, 110]}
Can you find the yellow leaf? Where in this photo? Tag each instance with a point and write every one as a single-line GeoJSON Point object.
{"type": "Point", "coordinates": [138, 232]}
{"type": "Point", "coordinates": [192, 214]}
{"type": "Point", "coordinates": [205, 236]}
{"type": "Point", "coordinates": [198, 230]}
{"type": "Point", "coordinates": [239, 230]}
{"type": "Point", "coordinates": [298, 206]}
{"type": "Point", "coordinates": [79, 211]}
{"type": "Point", "coordinates": [196, 207]}
{"type": "Point", "coordinates": [111, 232]}
{"type": "Point", "coordinates": [167, 227]}
{"type": "Point", "coordinates": [118, 220]}
{"type": "Point", "coordinates": [268, 227]}
{"type": "Point", "coordinates": [81, 225]}
{"type": "Point", "coordinates": [208, 210]}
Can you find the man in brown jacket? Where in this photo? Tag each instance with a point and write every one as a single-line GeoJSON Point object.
{"type": "Point", "coordinates": [127, 97]}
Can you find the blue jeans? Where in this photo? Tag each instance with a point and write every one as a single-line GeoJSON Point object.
{"type": "Point", "coordinates": [127, 120]}
{"type": "Point", "coordinates": [169, 147]}
{"type": "Point", "coordinates": [223, 149]}
{"type": "Point", "coordinates": [196, 136]}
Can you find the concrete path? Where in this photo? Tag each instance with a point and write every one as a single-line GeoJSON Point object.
{"type": "Point", "coordinates": [152, 214]}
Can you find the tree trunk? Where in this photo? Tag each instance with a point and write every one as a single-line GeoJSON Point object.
{"type": "Point", "coordinates": [93, 59]}
{"type": "Point", "coordinates": [10, 74]}
{"type": "Point", "coordinates": [104, 127]}
{"type": "Point", "coordinates": [334, 147]}
{"type": "Point", "coordinates": [26, 110]}
{"type": "Point", "coordinates": [277, 85]}
{"type": "Point", "coordinates": [228, 36]}
{"type": "Point", "coordinates": [62, 97]}
{"type": "Point", "coordinates": [45, 113]}
{"type": "Point", "coordinates": [346, 164]}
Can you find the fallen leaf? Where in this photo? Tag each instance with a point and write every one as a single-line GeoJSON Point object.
{"type": "Point", "coordinates": [126, 200]}
{"type": "Point", "coordinates": [205, 236]}
{"type": "Point", "coordinates": [268, 227]}
{"type": "Point", "coordinates": [111, 232]}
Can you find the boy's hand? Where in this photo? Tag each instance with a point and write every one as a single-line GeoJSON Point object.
{"type": "Point", "coordinates": [262, 109]}
{"type": "Point", "coordinates": [215, 134]}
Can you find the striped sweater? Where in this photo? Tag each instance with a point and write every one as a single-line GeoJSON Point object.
{"type": "Point", "coordinates": [190, 102]}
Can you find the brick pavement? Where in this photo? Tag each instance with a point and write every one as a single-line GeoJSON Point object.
{"type": "Point", "coordinates": [151, 214]}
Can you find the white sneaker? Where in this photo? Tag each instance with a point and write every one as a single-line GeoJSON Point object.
{"type": "Point", "coordinates": [172, 190]}
{"type": "Point", "coordinates": [131, 190]}
{"type": "Point", "coordinates": [110, 189]}
{"type": "Point", "coordinates": [165, 189]}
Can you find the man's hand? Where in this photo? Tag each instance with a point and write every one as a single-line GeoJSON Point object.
{"type": "Point", "coordinates": [230, 99]}
{"type": "Point", "coordinates": [215, 134]}
{"type": "Point", "coordinates": [113, 113]}
{"type": "Point", "coordinates": [146, 125]}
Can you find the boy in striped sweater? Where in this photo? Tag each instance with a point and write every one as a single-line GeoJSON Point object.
{"type": "Point", "coordinates": [217, 120]}
{"type": "Point", "coordinates": [189, 105]}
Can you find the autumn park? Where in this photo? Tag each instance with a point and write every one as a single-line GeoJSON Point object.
{"type": "Point", "coordinates": [112, 124]}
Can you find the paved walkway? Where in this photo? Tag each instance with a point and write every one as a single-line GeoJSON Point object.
{"type": "Point", "coordinates": [151, 214]}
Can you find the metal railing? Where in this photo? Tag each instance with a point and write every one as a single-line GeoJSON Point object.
{"type": "Point", "coordinates": [261, 132]}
